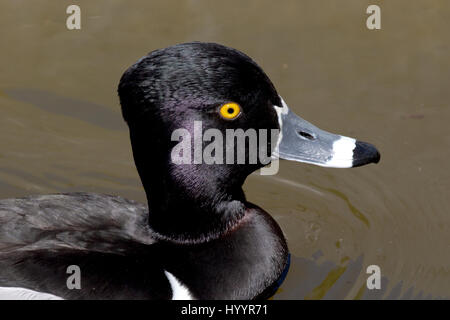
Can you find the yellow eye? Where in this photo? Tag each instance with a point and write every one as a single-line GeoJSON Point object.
{"type": "Point", "coordinates": [230, 110]}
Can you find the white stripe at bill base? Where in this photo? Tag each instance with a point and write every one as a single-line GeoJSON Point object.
{"type": "Point", "coordinates": [284, 109]}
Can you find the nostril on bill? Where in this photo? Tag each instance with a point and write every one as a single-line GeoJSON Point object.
{"type": "Point", "coordinates": [306, 135]}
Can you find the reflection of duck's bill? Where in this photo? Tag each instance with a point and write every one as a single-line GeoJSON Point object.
{"type": "Point", "coordinates": [301, 141]}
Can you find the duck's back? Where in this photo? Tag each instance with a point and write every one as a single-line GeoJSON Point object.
{"type": "Point", "coordinates": [102, 235]}
{"type": "Point", "coordinates": [72, 221]}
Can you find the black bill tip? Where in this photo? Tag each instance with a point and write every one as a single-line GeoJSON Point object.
{"type": "Point", "coordinates": [365, 153]}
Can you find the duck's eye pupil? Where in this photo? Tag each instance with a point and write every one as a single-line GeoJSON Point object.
{"type": "Point", "coordinates": [230, 110]}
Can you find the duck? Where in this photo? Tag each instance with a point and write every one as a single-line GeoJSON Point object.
{"type": "Point", "coordinates": [197, 237]}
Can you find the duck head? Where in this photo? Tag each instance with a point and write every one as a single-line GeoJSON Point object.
{"type": "Point", "coordinates": [195, 87]}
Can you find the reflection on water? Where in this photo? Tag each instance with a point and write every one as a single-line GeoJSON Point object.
{"type": "Point", "coordinates": [358, 214]}
{"type": "Point", "coordinates": [61, 128]}
{"type": "Point", "coordinates": [86, 111]}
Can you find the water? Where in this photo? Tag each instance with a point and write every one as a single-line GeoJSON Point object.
{"type": "Point", "coordinates": [61, 128]}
